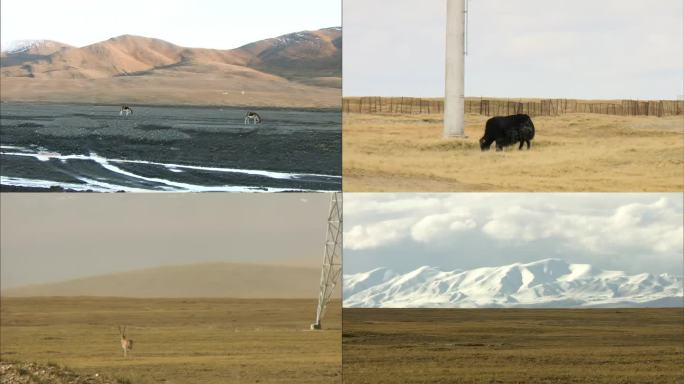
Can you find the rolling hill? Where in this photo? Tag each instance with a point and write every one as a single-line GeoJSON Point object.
{"type": "Point", "coordinates": [546, 283]}
{"type": "Point", "coordinates": [209, 280]}
{"type": "Point", "coordinates": [301, 69]}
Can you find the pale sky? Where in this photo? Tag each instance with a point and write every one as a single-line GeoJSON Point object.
{"type": "Point", "coordinates": [221, 24]}
{"type": "Point", "coordinates": [57, 236]}
{"type": "Point", "coordinates": [634, 233]}
{"type": "Point", "coordinates": [602, 49]}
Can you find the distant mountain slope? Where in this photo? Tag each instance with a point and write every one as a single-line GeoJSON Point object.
{"type": "Point", "coordinates": [118, 56]}
{"type": "Point", "coordinates": [299, 55]}
{"type": "Point", "coordinates": [235, 280]}
{"type": "Point", "coordinates": [298, 69]}
{"type": "Point", "coordinates": [546, 283]}
{"type": "Point", "coordinates": [33, 47]}
{"type": "Point", "coordinates": [22, 51]}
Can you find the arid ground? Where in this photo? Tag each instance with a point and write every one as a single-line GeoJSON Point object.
{"type": "Point", "coordinates": [588, 346]}
{"type": "Point", "coordinates": [176, 340]}
{"type": "Point", "coordinates": [168, 149]}
{"type": "Point", "coordinates": [573, 152]}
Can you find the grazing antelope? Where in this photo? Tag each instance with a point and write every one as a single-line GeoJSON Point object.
{"type": "Point", "coordinates": [252, 116]}
{"type": "Point", "coordinates": [126, 344]}
{"type": "Point", "coordinates": [125, 111]}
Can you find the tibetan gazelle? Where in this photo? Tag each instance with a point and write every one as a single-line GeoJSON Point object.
{"type": "Point", "coordinates": [253, 117]}
{"type": "Point", "coordinates": [126, 344]}
{"type": "Point", "coordinates": [125, 111]}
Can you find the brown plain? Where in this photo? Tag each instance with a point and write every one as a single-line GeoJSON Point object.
{"type": "Point", "coordinates": [176, 340]}
{"type": "Point", "coordinates": [573, 152]}
{"type": "Point", "coordinates": [588, 346]}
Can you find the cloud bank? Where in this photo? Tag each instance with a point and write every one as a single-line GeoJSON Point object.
{"type": "Point", "coordinates": [634, 231]}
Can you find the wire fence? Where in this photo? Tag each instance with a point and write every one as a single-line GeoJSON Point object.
{"type": "Point", "coordinates": [499, 107]}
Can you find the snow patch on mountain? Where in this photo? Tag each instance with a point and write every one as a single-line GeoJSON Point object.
{"type": "Point", "coordinates": [43, 47]}
{"type": "Point", "coordinates": [19, 46]}
{"type": "Point", "coordinates": [298, 38]}
{"type": "Point", "coordinates": [544, 283]}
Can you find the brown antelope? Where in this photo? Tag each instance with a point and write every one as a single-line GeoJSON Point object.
{"type": "Point", "coordinates": [126, 344]}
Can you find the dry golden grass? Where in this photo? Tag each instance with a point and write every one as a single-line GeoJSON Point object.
{"type": "Point", "coordinates": [176, 340]}
{"type": "Point", "coordinates": [574, 152]}
{"type": "Point", "coordinates": [550, 346]}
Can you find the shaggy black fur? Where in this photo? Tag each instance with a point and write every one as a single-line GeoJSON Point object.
{"type": "Point", "coordinates": [507, 131]}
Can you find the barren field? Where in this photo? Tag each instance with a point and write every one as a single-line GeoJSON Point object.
{"type": "Point", "coordinates": [513, 346]}
{"type": "Point", "coordinates": [87, 147]}
{"type": "Point", "coordinates": [181, 89]}
{"type": "Point", "coordinates": [574, 152]}
{"type": "Point", "coordinates": [175, 340]}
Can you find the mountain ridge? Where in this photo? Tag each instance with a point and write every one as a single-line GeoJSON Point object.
{"type": "Point", "coordinates": [38, 46]}
{"type": "Point", "coordinates": [544, 283]}
{"type": "Point", "coordinates": [145, 53]}
{"type": "Point", "coordinates": [211, 280]}
{"type": "Point", "coordinates": [300, 69]}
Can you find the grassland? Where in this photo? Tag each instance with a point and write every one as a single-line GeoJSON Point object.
{"type": "Point", "coordinates": [513, 346]}
{"type": "Point", "coordinates": [574, 152]}
{"type": "Point", "coordinates": [176, 340]}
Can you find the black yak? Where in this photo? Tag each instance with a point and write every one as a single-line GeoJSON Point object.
{"type": "Point", "coordinates": [507, 131]}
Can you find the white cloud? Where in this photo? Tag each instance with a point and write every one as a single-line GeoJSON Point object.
{"type": "Point", "coordinates": [635, 232]}
{"type": "Point", "coordinates": [420, 229]}
{"type": "Point", "coordinates": [655, 227]}
{"type": "Point", "coordinates": [432, 227]}
{"type": "Point", "coordinates": [376, 234]}
{"type": "Point", "coordinates": [390, 203]}
{"type": "Point", "coordinates": [385, 219]}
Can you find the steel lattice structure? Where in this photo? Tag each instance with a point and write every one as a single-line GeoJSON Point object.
{"type": "Point", "coordinates": [332, 257]}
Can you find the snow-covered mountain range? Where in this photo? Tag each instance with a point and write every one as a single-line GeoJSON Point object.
{"type": "Point", "coordinates": [547, 283]}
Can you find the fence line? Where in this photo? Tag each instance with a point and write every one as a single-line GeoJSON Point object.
{"type": "Point", "coordinates": [499, 107]}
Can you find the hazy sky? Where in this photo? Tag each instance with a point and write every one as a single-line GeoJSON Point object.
{"type": "Point", "coordinates": [52, 237]}
{"type": "Point", "coordinates": [631, 232]}
{"type": "Point", "coordinates": [198, 23]}
{"type": "Point", "coordinates": [523, 48]}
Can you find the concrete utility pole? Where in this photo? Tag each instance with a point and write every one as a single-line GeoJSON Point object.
{"type": "Point", "coordinates": [454, 100]}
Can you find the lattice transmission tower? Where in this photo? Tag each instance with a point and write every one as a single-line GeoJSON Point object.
{"type": "Point", "coordinates": [332, 257]}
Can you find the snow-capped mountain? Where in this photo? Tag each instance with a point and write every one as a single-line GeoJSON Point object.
{"type": "Point", "coordinates": [36, 47]}
{"type": "Point", "coordinates": [545, 283]}
{"type": "Point", "coordinates": [17, 46]}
